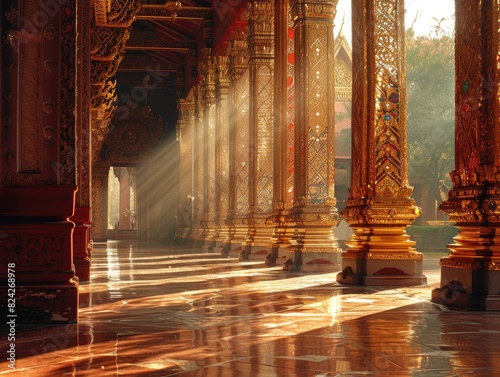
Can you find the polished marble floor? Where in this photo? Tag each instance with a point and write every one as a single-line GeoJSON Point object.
{"type": "Point", "coordinates": [152, 311]}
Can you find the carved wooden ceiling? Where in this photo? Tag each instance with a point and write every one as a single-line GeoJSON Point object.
{"type": "Point", "coordinates": [167, 37]}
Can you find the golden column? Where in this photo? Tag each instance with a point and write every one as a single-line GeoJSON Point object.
{"type": "Point", "coordinates": [314, 215]}
{"type": "Point", "coordinates": [222, 151]}
{"type": "Point", "coordinates": [380, 206]}
{"type": "Point", "coordinates": [208, 121]}
{"type": "Point", "coordinates": [238, 135]}
{"type": "Point", "coordinates": [261, 148]}
{"type": "Point", "coordinates": [470, 275]}
{"type": "Point", "coordinates": [185, 128]}
{"type": "Point", "coordinates": [278, 238]}
{"type": "Point", "coordinates": [199, 224]}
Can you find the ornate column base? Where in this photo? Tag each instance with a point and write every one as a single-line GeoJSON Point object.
{"type": "Point", "coordinates": [257, 244]}
{"type": "Point", "coordinates": [223, 238]}
{"type": "Point", "coordinates": [211, 235]}
{"type": "Point", "coordinates": [225, 241]}
{"type": "Point", "coordinates": [470, 275]}
{"type": "Point", "coordinates": [36, 243]}
{"type": "Point", "coordinates": [46, 289]}
{"type": "Point", "coordinates": [183, 236]}
{"type": "Point", "coordinates": [313, 249]}
{"type": "Point", "coordinates": [82, 244]}
{"type": "Point", "coordinates": [280, 241]}
{"type": "Point", "coordinates": [238, 236]}
{"type": "Point", "coordinates": [198, 236]}
{"type": "Point", "coordinates": [462, 284]}
{"type": "Point", "coordinates": [381, 256]}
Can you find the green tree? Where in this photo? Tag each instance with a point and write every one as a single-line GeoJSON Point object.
{"type": "Point", "coordinates": [430, 72]}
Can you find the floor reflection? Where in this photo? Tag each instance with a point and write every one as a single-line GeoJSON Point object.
{"type": "Point", "coordinates": [162, 311]}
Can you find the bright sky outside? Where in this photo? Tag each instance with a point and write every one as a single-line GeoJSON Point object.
{"type": "Point", "coordinates": [427, 9]}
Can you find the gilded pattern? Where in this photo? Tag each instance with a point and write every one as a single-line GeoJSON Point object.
{"type": "Point", "coordinates": [261, 43]}
{"type": "Point", "coordinates": [241, 171]}
{"type": "Point", "coordinates": [360, 142]}
{"type": "Point", "coordinates": [264, 139]}
{"type": "Point", "coordinates": [314, 104]}
{"type": "Point", "coordinates": [390, 130]}
{"type": "Point", "coordinates": [319, 125]}
{"type": "Point", "coordinates": [468, 48]}
{"type": "Point", "coordinates": [222, 139]}
{"type": "Point", "coordinates": [208, 112]}
{"type": "Point", "coordinates": [380, 206]}
{"type": "Point", "coordinates": [185, 125]}
{"type": "Point", "coordinates": [198, 166]}
{"type": "Point", "coordinates": [110, 30]}
{"type": "Point", "coordinates": [473, 203]}
{"type": "Point", "coordinates": [290, 117]}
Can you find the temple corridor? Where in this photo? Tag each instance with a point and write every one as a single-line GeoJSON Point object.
{"type": "Point", "coordinates": [153, 310]}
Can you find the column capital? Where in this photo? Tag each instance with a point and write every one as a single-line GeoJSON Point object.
{"type": "Point", "coordinates": [223, 79]}
{"type": "Point", "coordinates": [237, 52]}
{"type": "Point", "coordinates": [208, 68]}
{"type": "Point", "coordinates": [318, 9]}
{"type": "Point", "coordinates": [261, 25]}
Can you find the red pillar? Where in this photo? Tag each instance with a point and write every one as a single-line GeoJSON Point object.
{"type": "Point", "coordinates": [38, 179]}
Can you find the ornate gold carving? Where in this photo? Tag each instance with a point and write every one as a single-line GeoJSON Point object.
{"type": "Point", "coordinates": [11, 39]}
{"type": "Point", "coordinates": [302, 10]}
{"type": "Point", "coordinates": [113, 19]}
{"type": "Point", "coordinates": [237, 52]}
{"type": "Point", "coordinates": [108, 43]}
{"type": "Point", "coordinates": [354, 255]}
{"type": "Point", "coordinates": [101, 8]}
{"type": "Point", "coordinates": [381, 256]}
{"type": "Point", "coordinates": [240, 135]}
{"type": "Point", "coordinates": [132, 138]}
{"type": "Point", "coordinates": [290, 128]}
{"type": "Point", "coordinates": [380, 204]}
{"type": "Point", "coordinates": [261, 25]}
{"type": "Point", "coordinates": [462, 264]}
{"type": "Point", "coordinates": [222, 142]}
{"type": "Point", "coordinates": [314, 93]}
{"type": "Point", "coordinates": [395, 256]}
{"type": "Point", "coordinates": [475, 195]}
{"type": "Point", "coordinates": [185, 133]}
{"type": "Point", "coordinates": [261, 65]}
{"type": "Point", "coordinates": [115, 13]}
